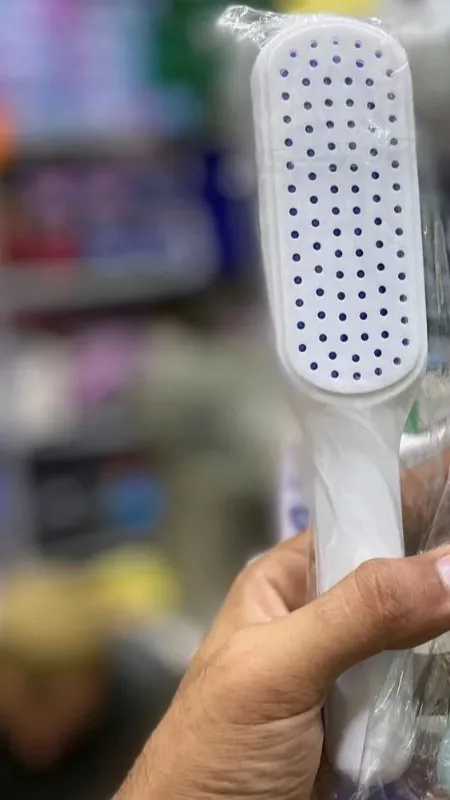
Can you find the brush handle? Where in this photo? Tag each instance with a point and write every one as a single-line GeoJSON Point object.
{"type": "Point", "coordinates": [357, 517]}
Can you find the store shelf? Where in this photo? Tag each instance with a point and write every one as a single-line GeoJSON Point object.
{"type": "Point", "coordinates": [97, 146]}
{"type": "Point", "coordinates": [87, 444]}
{"type": "Point", "coordinates": [34, 290]}
{"type": "Point", "coordinates": [105, 432]}
{"type": "Point", "coordinates": [82, 546]}
{"type": "Point", "coordinates": [151, 144]}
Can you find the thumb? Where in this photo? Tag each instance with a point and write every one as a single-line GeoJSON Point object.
{"type": "Point", "coordinates": [383, 605]}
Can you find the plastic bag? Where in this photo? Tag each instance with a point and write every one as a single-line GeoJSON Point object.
{"type": "Point", "coordinates": [410, 714]}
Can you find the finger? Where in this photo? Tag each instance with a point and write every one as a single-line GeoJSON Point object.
{"type": "Point", "coordinates": [422, 489]}
{"type": "Point", "coordinates": [270, 587]}
{"type": "Point", "coordinates": [384, 605]}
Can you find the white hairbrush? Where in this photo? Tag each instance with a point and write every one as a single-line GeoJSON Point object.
{"type": "Point", "coordinates": [341, 236]}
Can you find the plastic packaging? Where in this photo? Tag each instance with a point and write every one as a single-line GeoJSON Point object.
{"type": "Point", "coordinates": [387, 730]}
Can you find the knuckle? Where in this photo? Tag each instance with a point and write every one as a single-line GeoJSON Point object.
{"type": "Point", "coordinates": [257, 568]}
{"type": "Point", "coordinates": [252, 575]}
{"type": "Point", "coordinates": [381, 596]}
{"type": "Point", "coordinates": [228, 678]}
{"type": "Point", "coordinates": [239, 650]}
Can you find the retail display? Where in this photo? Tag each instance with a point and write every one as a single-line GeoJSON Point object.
{"type": "Point", "coordinates": [124, 214]}
{"type": "Point", "coordinates": [87, 504]}
{"type": "Point", "coordinates": [135, 500]}
{"type": "Point", "coordinates": [70, 409]}
{"type": "Point", "coordinates": [132, 584]}
{"type": "Point", "coordinates": [108, 218]}
{"type": "Point", "coordinates": [82, 72]}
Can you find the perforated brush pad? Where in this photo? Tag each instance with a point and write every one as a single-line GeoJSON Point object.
{"type": "Point", "coordinates": [339, 203]}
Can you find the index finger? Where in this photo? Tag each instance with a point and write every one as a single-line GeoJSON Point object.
{"type": "Point", "coordinates": [422, 489]}
{"type": "Point", "coordinates": [272, 586]}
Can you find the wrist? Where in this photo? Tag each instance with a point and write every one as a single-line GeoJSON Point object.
{"type": "Point", "coordinates": [166, 769]}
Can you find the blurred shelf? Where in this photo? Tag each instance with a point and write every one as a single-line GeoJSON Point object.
{"type": "Point", "coordinates": [108, 429]}
{"type": "Point", "coordinates": [106, 432]}
{"type": "Point", "coordinates": [81, 546]}
{"type": "Point", "coordinates": [99, 145]}
{"type": "Point", "coordinates": [35, 290]}
{"type": "Point", "coordinates": [88, 445]}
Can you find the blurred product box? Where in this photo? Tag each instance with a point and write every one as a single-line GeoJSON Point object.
{"type": "Point", "coordinates": [84, 502]}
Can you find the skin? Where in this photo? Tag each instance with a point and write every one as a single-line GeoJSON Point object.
{"type": "Point", "coordinates": [246, 720]}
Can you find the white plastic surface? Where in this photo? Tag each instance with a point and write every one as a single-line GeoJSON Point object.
{"type": "Point", "coordinates": [341, 234]}
{"type": "Point", "coordinates": [341, 227]}
{"type": "Point", "coordinates": [356, 517]}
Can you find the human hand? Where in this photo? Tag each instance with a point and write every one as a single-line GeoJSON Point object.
{"type": "Point", "coordinates": [246, 721]}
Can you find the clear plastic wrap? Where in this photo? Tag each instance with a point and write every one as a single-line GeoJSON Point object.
{"type": "Point", "coordinates": [407, 724]}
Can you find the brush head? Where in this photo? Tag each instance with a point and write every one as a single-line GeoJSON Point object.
{"type": "Point", "coordinates": [339, 206]}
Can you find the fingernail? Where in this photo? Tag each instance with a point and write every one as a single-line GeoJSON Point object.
{"type": "Point", "coordinates": [443, 567]}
